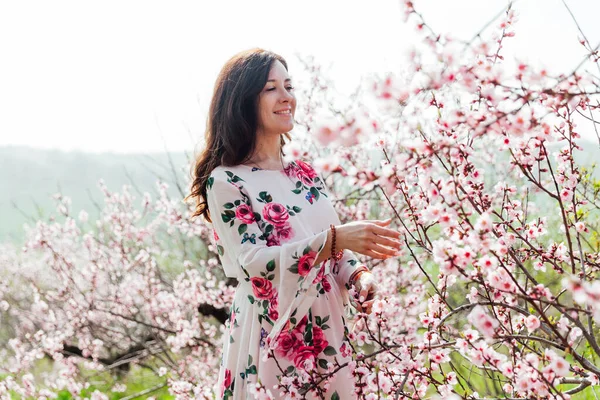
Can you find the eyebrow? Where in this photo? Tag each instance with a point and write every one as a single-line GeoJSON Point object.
{"type": "Point", "coordinates": [275, 80]}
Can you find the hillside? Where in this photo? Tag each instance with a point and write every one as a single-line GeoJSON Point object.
{"type": "Point", "coordinates": [29, 177]}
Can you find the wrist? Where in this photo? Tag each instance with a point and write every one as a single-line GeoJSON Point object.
{"type": "Point", "coordinates": [357, 273]}
{"type": "Point", "coordinates": [336, 250]}
{"type": "Point", "coordinates": [339, 229]}
{"type": "Point", "coordinates": [335, 255]}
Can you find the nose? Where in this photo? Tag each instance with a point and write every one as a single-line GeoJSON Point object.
{"type": "Point", "coordinates": [287, 96]}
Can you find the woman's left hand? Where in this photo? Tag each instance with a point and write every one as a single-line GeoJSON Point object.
{"type": "Point", "coordinates": [366, 287]}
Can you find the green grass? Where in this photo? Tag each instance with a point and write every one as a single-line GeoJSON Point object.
{"type": "Point", "coordinates": [137, 380]}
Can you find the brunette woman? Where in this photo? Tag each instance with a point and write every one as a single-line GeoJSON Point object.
{"type": "Point", "coordinates": [277, 232]}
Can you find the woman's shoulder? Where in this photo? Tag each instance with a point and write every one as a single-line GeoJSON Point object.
{"type": "Point", "coordinates": [301, 168]}
{"type": "Point", "coordinates": [222, 175]}
{"type": "Point", "coordinates": [224, 171]}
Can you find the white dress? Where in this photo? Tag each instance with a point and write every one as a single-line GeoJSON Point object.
{"type": "Point", "coordinates": [269, 226]}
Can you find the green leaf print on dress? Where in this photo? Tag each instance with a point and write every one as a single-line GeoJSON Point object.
{"type": "Point", "coordinates": [288, 310]}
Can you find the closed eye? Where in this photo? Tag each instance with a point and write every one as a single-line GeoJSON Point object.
{"type": "Point", "coordinates": [288, 88]}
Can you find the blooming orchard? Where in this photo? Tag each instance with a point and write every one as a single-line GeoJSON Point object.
{"type": "Point", "coordinates": [496, 292]}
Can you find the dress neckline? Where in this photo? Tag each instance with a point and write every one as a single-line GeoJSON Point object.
{"type": "Point", "coordinates": [254, 168]}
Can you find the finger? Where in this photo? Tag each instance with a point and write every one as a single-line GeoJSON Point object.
{"type": "Point", "coordinates": [363, 294]}
{"type": "Point", "coordinates": [371, 296]}
{"type": "Point", "coordinates": [381, 231]}
{"type": "Point", "coordinates": [363, 307]}
{"type": "Point", "coordinates": [374, 254]}
{"type": "Point", "coordinates": [386, 241]}
{"type": "Point", "coordinates": [383, 250]}
{"type": "Point", "coordinates": [369, 288]}
{"type": "Point", "coordinates": [367, 304]}
{"type": "Point", "coordinates": [379, 221]}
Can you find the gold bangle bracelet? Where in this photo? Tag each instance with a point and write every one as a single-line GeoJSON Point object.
{"type": "Point", "coordinates": [360, 270]}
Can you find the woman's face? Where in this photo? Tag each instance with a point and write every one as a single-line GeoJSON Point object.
{"type": "Point", "coordinates": [276, 102]}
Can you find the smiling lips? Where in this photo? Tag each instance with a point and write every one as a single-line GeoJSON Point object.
{"type": "Point", "coordinates": [284, 112]}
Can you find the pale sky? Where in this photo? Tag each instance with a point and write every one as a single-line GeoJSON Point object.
{"type": "Point", "coordinates": [116, 75]}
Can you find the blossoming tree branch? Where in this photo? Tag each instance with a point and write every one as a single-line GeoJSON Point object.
{"type": "Point", "coordinates": [496, 292]}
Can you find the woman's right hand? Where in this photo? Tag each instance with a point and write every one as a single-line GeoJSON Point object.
{"type": "Point", "coordinates": [369, 237]}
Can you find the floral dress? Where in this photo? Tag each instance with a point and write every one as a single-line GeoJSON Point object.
{"type": "Point", "coordinates": [287, 316]}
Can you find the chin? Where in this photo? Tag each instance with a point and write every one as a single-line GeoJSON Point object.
{"type": "Point", "coordinates": [284, 129]}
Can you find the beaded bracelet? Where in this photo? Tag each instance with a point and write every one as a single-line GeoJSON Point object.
{"type": "Point", "coordinates": [335, 257]}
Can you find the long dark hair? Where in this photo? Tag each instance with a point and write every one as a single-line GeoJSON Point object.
{"type": "Point", "coordinates": [232, 119]}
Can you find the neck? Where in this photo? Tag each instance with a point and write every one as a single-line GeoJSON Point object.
{"type": "Point", "coordinates": [267, 152]}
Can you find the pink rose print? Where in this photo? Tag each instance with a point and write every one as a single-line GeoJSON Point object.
{"type": "Point", "coordinates": [285, 233]}
{"type": "Point", "coordinates": [215, 235]}
{"type": "Point", "coordinates": [305, 262]}
{"type": "Point", "coordinates": [326, 285]}
{"type": "Point", "coordinates": [305, 173]}
{"type": "Point", "coordinates": [273, 240]}
{"type": "Point", "coordinates": [322, 279]}
{"type": "Point", "coordinates": [290, 168]}
{"type": "Point", "coordinates": [286, 343]}
{"type": "Point", "coordinates": [319, 341]}
{"type": "Point", "coordinates": [302, 324]}
{"type": "Point", "coordinates": [306, 168]}
{"type": "Point", "coordinates": [226, 381]}
{"type": "Point", "coordinates": [320, 275]}
{"type": "Point", "coordinates": [276, 214]}
{"type": "Point", "coordinates": [302, 354]}
{"type": "Point", "coordinates": [262, 288]}
{"type": "Point", "coordinates": [273, 303]}
{"type": "Point", "coordinates": [244, 213]}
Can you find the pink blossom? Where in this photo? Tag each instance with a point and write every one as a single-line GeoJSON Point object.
{"type": "Point", "coordinates": [558, 365]}
{"type": "Point", "coordinates": [580, 227]}
{"type": "Point", "coordinates": [532, 323]}
{"type": "Point", "coordinates": [471, 335]}
{"type": "Point", "coordinates": [483, 322]}
{"type": "Point", "coordinates": [326, 131]}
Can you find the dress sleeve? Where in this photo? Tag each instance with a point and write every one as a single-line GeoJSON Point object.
{"type": "Point", "coordinates": [281, 276]}
{"type": "Point", "coordinates": [245, 251]}
{"type": "Point", "coordinates": [348, 263]}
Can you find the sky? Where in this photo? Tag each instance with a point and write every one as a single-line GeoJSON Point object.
{"type": "Point", "coordinates": [131, 76]}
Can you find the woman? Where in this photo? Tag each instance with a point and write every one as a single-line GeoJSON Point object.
{"type": "Point", "coordinates": [277, 232]}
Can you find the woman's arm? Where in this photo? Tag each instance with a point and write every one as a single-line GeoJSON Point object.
{"type": "Point", "coordinates": [245, 251]}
